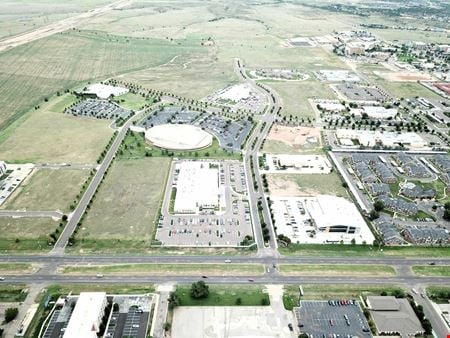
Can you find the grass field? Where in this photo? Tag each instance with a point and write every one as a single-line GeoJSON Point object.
{"type": "Point", "coordinates": [362, 250]}
{"type": "Point", "coordinates": [327, 291]}
{"type": "Point", "coordinates": [126, 205]}
{"type": "Point", "coordinates": [48, 190]}
{"type": "Point", "coordinates": [31, 72]}
{"type": "Point", "coordinates": [427, 270]}
{"type": "Point", "coordinates": [224, 296]}
{"type": "Point", "coordinates": [306, 185]}
{"type": "Point", "coordinates": [167, 269]}
{"type": "Point", "coordinates": [135, 146]}
{"type": "Point", "coordinates": [295, 97]}
{"type": "Point", "coordinates": [132, 101]}
{"type": "Point", "coordinates": [17, 268]}
{"type": "Point", "coordinates": [116, 288]}
{"type": "Point", "coordinates": [25, 234]}
{"type": "Point", "coordinates": [278, 147]}
{"type": "Point", "coordinates": [336, 270]}
{"type": "Point", "coordinates": [12, 293]}
{"type": "Point", "coordinates": [62, 138]}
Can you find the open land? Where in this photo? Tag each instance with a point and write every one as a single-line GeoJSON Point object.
{"type": "Point", "coordinates": [62, 138]}
{"type": "Point", "coordinates": [293, 185]}
{"type": "Point", "coordinates": [426, 270]}
{"type": "Point", "coordinates": [25, 234]}
{"type": "Point", "coordinates": [126, 207]}
{"type": "Point", "coordinates": [48, 190]}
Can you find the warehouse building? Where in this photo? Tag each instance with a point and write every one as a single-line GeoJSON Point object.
{"type": "Point", "coordinates": [197, 186]}
{"type": "Point", "coordinates": [369, 138]}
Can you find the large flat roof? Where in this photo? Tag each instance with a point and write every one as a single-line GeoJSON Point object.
{"type": "Point", "coordinates": [178, 137]}
{"type": "Point", "coordinates": [84, 321]}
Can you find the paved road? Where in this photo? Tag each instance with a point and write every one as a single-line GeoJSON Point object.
{"type": "Point", "coordinates": [264, 279]}
{"type": "Point", "coordinates": [24, 213]}
{"type": "Point", "coordinates": [439, 326]}
{"type": "Point", "coordinates": [251, 154]}
{"type": "Point", "coordinates": [90, 191]}
{"type": "Point", "coordinates": [167, 259]}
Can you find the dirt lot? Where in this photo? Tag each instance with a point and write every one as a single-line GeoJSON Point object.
{"type": "Point", "coordinates": [297, 137]}
{"type": "Point", "coordinates": [404, 76]}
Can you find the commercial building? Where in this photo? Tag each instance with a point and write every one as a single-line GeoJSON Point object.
{"type": "Point", "coordinates": [103, 91]}
{"type": "Point", "coordinates": [301, 164]}
{"type": "Point", "coordinates": [197, 186]}
{"type": "Point", "coordinates": [369, 138]}
{"type": "Point", "coordinates": [87, 315]}
{"type": "Point", "coordinates": [378, 112]}
{"type": "Point", "coordinates": [394, 316]}
{"type": "Point", "coordinates": [321, 219]}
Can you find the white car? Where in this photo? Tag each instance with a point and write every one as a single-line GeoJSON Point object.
{"type": "Point", "coordinates": [2, 278]}
{"type": "Point", "coordinates": [228, 261]}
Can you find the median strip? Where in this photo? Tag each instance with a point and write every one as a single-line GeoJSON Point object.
{"type": "Point", "coordinates": [336, 270]}
{"type": "Point", "coordinates": [432, 270]}
{"type": "Point", "coordinates": [165, 269]}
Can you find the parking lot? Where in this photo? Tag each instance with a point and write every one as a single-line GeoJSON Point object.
{"type": "Point", "coordinates": [223, 222]}
{"type": "Point", "coordinates": [100, 109]}
{"type": "Point", "coordinates": [356, 92]}
{"type": "Point", "coordinates": [230, 133]}
{"type": "Point", "coordinates": [336, 317]}
{"type": "Point", "coordinates": [174, 114]}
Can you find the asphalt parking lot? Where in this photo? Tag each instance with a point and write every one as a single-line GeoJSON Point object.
{"type": "Point", "coordinates": [100, 109]}
{"type": "Point", "coordinates": [323, 318]}
{"type": "Point", "coordinates": [360, 93]}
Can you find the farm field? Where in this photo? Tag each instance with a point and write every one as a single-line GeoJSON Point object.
{"type": "Point", "coordinates": [127, 203]}
{"type": "Point", "coordinates": [285, 185]}
{"type": "Point", "coordinates": [167, 269]}
{"type": "Point", "coordinates": [48, 190]}
{"type": "Point", "coordinates": [62, 138]}
{"type": "Point", "coordinates": [26, 15]}
{"type": "Point", "coordinates": [25, 234]}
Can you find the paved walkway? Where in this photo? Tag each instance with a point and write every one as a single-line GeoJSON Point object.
{"type": "Point", "coordinates": [33, 291]}
{"type": "Point", "coordinates": [161, 310]}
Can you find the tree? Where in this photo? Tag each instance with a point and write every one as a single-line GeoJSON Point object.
{"type": "Point", "coordinates": [167, 326]}
{"type": "Point", "coordinates": [11, 314]}
{"type": "Point", "coordinates": [378, 205]}
{"type": "Point", "coordinates": [199, 290]}
{"type": "Point", "coordinates": [173, 300]}
{"type": "Point", "coordinates": [238, 301]}
{"type": "Point", "coordinates": [264, 301]}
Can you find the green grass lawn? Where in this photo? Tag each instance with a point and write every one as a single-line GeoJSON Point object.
{"type": "Point", "coordinates": [336, 270]}
{"type": "Point", "coordinates": [133, 101]}
{"type": "Point", "coordinates": [135, 146]}
{"type": "Point", "coordinates": [48, 189]}
{"type": "Point", "coordinates": [25, 234]}
{"type": "Point", "coordinates": [327, 291]}
{"type": "Point", "coordinates": [362, 250]}
{"type": "Point", "coordinates": [435, 270]}
{"type": "Point", "coordinates": [306, 185]}
{"type": "Point", "coordinates": [167, 269]}
{"type": "Point", "coordinates": [48, 135]}
{"type": "Point", "coordinates": [224, 296]}
{"type": "Point", "coordinates": [124, 210]}
{"type": "Point", "coordinates": [13, 293]}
